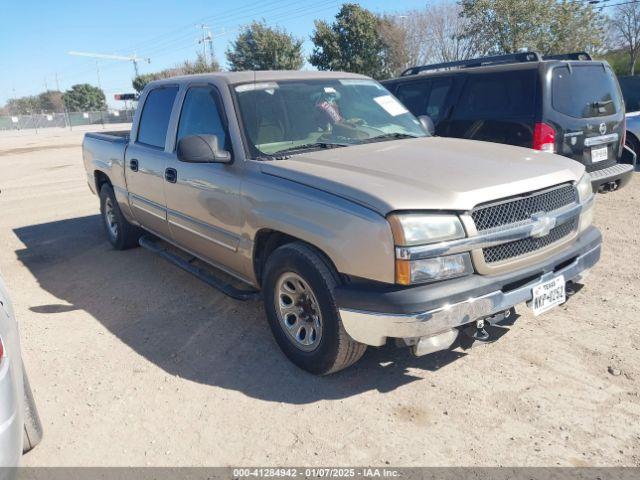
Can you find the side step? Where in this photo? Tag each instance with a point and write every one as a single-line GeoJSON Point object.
{"type": "Point", "coordinates": [149, 243]}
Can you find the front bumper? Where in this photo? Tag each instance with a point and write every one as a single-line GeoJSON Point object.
{"type": "Point", "coordinates": [620, 173]}
{"type": "Point", "coordinates": [370, 314]}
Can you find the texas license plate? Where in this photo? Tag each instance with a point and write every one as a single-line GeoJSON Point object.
{"type": "Point", "coordinates": [548, 295]}
{"type": "Point", "coordinates": [599, 154]}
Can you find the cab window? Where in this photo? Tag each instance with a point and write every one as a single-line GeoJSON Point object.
{"type": "Point", "coordinates": [155, 117]}
{"type": "Point", "coordinates": [201, 115]}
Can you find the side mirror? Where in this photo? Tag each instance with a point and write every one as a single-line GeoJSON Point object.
{"type": "Point", "coordinates": [427, 124]}
{"type": "Point", "coordinates": [201, 149]}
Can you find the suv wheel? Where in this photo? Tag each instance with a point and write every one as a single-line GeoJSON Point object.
{"type": "Point", "coordinates": [121, 234]}
{"type": "Point", "coordinates": [298, 289]}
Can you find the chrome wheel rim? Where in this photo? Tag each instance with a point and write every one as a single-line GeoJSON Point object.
{"type": "Point", "coordinates": [110, 218]}
{"type": "Point", "coordinates": [298, 311]}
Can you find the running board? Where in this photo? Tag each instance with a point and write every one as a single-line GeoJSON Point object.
{"type": "Point", "coordinates": [152, 245]}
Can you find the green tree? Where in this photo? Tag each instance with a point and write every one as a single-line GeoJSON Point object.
{"type": "Point", "coordinates": [51, 101]}
{"type": "Point", "coordinates": [259, 47]}
{"type": "Point", "coordinates": [548, 26]}
{"type": "Point", "coordinates": [626, 30]}
{"type": "Point", "coordinates": [84, 97]}
{"type": "Point", "coordinates": [23, 105]}
{"type": "Point", "coordinates": [355, 42]}
{"type": "Point", "coordinates": [200, 65]}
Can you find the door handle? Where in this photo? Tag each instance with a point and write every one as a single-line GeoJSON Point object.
{"type": "Point", "coordinates": [133, 165]}
{"type": "Point", "coordinates": [171, 175]}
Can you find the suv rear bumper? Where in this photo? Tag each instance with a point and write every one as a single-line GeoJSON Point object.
{"type": "Point", "coordinates": [370, 314]}
{"type": "Point", "coordinates": [620, 173]}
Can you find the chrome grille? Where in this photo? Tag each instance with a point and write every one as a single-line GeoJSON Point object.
{"type": "Point", "coordinates": [521, 208]}
{"type": "Point", "coordinates": [530, 244]}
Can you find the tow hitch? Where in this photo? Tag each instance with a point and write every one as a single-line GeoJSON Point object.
{"type": "Point", "coordinates": [477, 331]}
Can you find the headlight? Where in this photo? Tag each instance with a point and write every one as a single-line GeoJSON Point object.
{"type": "Point", "coordinates": [424, 270]}
{"type": "Point", "coordinates": [585, 190]}
{"type": "Point", "coordinates": [413, 229]}
{"type": "Point", "coordinates": [420, 228]}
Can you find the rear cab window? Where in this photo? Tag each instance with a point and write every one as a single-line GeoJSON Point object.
{"type": "Point", "coordinates": [155, 117]}
{"type": "Point", "coordinates": [585, 91]}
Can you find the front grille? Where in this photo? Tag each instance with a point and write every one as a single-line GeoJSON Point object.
{"type": "Point", "coordinates": [520, 209]}
{"type": "Point", "coordinates": [515, 249]}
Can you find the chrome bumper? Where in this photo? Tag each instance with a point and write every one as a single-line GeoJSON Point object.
{"type": "Point", "coordinates": [373, 328]}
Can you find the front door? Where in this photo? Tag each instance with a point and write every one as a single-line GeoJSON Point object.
{"type": "Point", "coordinates": [146, 160]}
{"type": "Point", "coordinates": [203, 198]}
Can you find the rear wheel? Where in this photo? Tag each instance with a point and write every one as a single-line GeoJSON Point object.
{"type": "Point", "coordinates": [298, 289]}
{"type": "Point", "coordinates": [121, 234]}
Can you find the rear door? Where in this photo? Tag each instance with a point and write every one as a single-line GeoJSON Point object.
{"type": "Point", "coordinates": [146, 159]}
{"type": "Point", "coordinates": [498, 106]}
{"type": "Point", "coordinates": [584, 105]}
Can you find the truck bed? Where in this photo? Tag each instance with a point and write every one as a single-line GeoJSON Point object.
{"type": "Point", "coordinates": [112, 136]}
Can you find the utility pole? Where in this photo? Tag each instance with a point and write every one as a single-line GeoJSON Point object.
{"type": "Point", "coordinates": [207, 39]}
{"type": "Point", "coordinates": [67, 121]}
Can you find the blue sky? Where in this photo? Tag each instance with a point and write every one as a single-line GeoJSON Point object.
{"type": "Point", "coordinates": [36, 35]}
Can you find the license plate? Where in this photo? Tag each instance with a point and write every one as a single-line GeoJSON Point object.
{"type": "Point", "coordinates": [548, 295]}
{"type": "Point", "coordinates": [599, 154]}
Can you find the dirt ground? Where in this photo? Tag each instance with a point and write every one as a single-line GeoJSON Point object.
{"type": "Point", "coordinates": [135, 362]}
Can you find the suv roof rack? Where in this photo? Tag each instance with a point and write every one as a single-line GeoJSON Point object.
{"type": "Point", "coordinates": [569, 56]}
{"type": "Point", "coordinates": [477, 62]}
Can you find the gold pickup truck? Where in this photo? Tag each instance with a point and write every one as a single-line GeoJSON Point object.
{"type": "Point", "coordinates": [334, 204]}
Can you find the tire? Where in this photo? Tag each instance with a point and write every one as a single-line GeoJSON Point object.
{"type": "Point", "coordinates": [297, 274]}
{"type": "Point", "coordinates": [121, 234]}
{"type": "Point", "coordinates": [32, 424]}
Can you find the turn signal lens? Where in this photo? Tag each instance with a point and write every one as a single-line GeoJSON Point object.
{"type": "Point", "coordinates": [424, 270]}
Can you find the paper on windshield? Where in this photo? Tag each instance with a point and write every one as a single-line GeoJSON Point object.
{"type": "Point", "coordinates": [248, 87]}
{"type": "Point", "coordinates": [392, 106]}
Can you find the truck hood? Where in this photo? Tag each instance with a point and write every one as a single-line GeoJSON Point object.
{"type": "Point", "coordinates": [430, 173]}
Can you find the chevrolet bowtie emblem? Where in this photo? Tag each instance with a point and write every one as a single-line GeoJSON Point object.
{"type": "Point", "coordinates": [542, 224]}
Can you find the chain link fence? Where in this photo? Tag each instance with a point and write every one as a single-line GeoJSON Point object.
{"type": "Point", "coordinates": [64, 120]}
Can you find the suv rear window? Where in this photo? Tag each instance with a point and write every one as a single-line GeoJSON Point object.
{"type": "Point", "coordinates": [498, 95]}
{"type": "Point", "coordinates": [585, 91]}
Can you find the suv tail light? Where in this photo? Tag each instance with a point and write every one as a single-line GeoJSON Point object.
{"type": "Point", "coordinates": [544, 138]}
{"type": "Point", "coordinates": [1, 350]}
{"type": "Point", "coordinates": [624, 133]}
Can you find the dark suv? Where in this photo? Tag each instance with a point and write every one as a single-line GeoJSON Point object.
{"type": "Point", "coordinates": [566, 104]}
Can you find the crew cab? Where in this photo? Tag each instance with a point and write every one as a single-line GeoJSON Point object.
{"type": "Point", "coordinates": [329, 200]}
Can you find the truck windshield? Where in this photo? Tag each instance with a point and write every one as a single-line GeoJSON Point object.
{"type": "Point", "coordinates": [299, 115]}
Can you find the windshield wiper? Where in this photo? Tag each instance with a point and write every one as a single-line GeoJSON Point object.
{"type": "Point", "coordinates": [388, 136]}
{"type": "Point", "coordinates": [309, 146]}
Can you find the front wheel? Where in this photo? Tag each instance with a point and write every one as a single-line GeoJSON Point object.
{"type": "Point", "coordinates": [298, 289]}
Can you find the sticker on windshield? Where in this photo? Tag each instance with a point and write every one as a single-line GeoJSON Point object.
{"type": "Point", "coordinates": [248, 87]}
{"type": "Point", "coordinates": [392, 106]}
{"type": "Point", "coordinates": [361, 81]}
